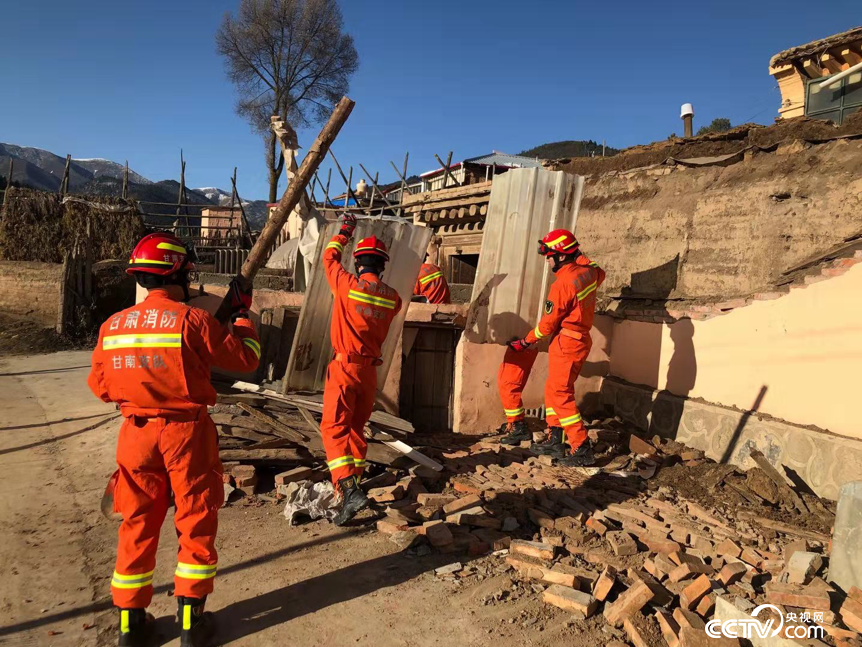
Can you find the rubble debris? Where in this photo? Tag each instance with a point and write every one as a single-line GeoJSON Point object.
{"type": "Point", "coordinates": [315, 500]}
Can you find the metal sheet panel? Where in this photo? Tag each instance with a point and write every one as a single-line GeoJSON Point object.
{"type": "Point", "coordinates": [512, 280]}
{"type": "Point", "coordinates": [312, 350]}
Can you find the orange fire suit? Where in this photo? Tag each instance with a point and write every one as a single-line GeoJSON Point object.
{"type": "Point", "coordinates": [154, 360]}
{"type": "Point", "coordinates": [362, 311]}
{"type": "Point", "coordinates": [568, 318]}
{"type": "Point", "coordinates": [511, 380]}
{"type": "Point", "coordinates": [432, 285]}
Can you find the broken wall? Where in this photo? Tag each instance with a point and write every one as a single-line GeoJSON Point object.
{"type": "Point", "coordinates": [31, 290]}
{"type": "Point", "coordinates": [709, 233]}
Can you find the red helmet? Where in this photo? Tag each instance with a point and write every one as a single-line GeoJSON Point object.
{"type": "Point", "coordinates": [160, 254]}
{"type": "Point", "coordinates": [373, 246]}
{"type": "Point", "coordinates": [559, 241]}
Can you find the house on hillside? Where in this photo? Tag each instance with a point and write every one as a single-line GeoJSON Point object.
{"type": "Point", "coordinates": [475, 169]}
{"type": "Point", "coordinates": [803, 74]}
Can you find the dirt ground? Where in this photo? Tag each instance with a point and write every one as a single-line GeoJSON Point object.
{"type": "Point", "coordinates": [309, 585]}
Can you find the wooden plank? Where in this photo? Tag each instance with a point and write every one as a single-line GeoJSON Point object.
{"type": "Point", "coordinates": [448, 193]}
{"type": "Point", "coordinates": [280, 428]}
{"type": "Point", "coordinates": [764, 464]}
{"type": "Point", "coordinates": [785, 528]}
{"type": "Point", "coordinates": [265, 343]}
{"type": "Point", "coordinates": [450, 204]}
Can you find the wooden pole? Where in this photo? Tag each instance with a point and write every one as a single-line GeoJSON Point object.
{"type": "Point", "coordinates": [347, 181]}
{"type": "Point", "coordinates": [328, 180]}
{"type": "Point", "coordinates": [64, 185]}
{"type": "Point", "coordinates": [8, 182]}
{"type": "Point", "coordinates": [245, 222]}
{"type": "Point", "coordinates": [326, 201]}
{"type": "Point", "coordinates": [375, 186]}
{"type": "Point", "coordinates": [126, 181]}
{"type": "Point", "coordinates": [446, 173]}
{"type": "Point", "coordinates": [316, 153]}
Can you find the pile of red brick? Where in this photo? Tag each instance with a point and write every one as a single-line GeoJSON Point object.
{"type": "Point", "coordinates": [651, 561]}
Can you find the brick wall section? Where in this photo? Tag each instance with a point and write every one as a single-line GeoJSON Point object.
{"type": "Point", "coordinates": [31, 290]}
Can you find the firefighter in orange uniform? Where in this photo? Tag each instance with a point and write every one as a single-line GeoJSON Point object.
{"type": "Point", "coordinates": [511, 380]}
{"type": "Point", "coordinates": [432, 285]}
{"type": "Point", "coordinates": [363, 308]}
{"type": "Point", "coordinates": [154, 360]}
{"type": "Point", "coordinates": [567, 320]}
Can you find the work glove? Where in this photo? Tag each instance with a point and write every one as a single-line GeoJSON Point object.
{"type": "Point", "coordinates": [348, 224]}
{"type": "Point", "coordinates": [519, 345]}
{"type": "Point", "coordinates": [240, 298]}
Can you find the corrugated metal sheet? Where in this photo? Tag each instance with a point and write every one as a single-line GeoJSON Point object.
{"type": "Point", "coordinates": [512, 280]}
{"type": "Point", "coordinates": [312, 350]}
{"type": "Point", "coordinates": [503, 159]}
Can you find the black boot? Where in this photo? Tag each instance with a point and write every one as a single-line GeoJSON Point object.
{"type": "Point", "coordinates": [581, 457]}
{"type": "Point", "coordinates": [136, 628]}
{"type": "Point", "coordinates": [353, 500]}
{"type": "Point", "coordinates": [553, 445]}
{"type": "Point", "coordinates": [197, 627]}
{"type": "Point", "coordinates": [518, 432]}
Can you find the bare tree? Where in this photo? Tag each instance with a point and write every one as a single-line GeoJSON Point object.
{"type": "Point", "coordinates": [286, 57]}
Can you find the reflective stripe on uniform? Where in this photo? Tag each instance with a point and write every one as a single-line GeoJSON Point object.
{"type": "Point", "coordinates": [172, 247]}
{"type": "Point", "coordinates": [587, 290]}
{"type": "Point", "coordinates": [149, 260]}
{"type": "Point", "coordinates": [514, 412]}
{"type": "Point", "coordinates": [187, 617]}
{"type": "Point", "coordinates": [367, 298]}
{"type": "Point", "coordinates": [550, 412]}
{"type": "Point", "coordinates": [160, 340]}
{"type": "Point", "coordinates": [341, 461]}
{"type": "Point", "coordinates": [335, 245]}
{"type": "Point", "coordinates": [138, 581]}
{"type": "Point", "coordinates": [571, 420]}
{"type": "Point", "coordinates": [124, 621]}
{"type": "Point", "coordinates": [251, 343]}
{"type": "Point", "coordinates": [537, 333]}
{"type": "Point", "coordinates": [593, 264]}
{"type": "Point", "coordinates": [427, 279]}
{"type": "Point", "coordinates": [359, 462]}
{"type": "Point", "coordinates": [195, 571]}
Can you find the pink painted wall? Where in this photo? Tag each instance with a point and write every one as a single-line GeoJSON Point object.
{"type": "Point", "coordinates": [804, 348]}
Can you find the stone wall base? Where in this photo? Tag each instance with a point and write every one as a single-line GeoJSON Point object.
{"type": "Point", "coordinates": [821, 460]}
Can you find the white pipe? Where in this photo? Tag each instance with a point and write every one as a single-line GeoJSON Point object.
{"type": "Point", "coordinates": [829, 81]}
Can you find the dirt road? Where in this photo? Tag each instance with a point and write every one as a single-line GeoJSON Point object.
{"type": "Point", "coordinates": [310, 585]}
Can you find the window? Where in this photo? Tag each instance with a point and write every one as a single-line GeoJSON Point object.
{"type": "Point", "coordinates": [834, 103]}
{"type": "Point", "coordinates": [462, 268]}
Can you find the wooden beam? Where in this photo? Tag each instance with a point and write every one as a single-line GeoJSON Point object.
{"type": "Point", "coordinates": [259, 253]}
{"type": "Point", "coordinates": [832, 64]}
{"type": "Point", "coordinates": [278, 426]}
{"type": "Point", "coordinates": [850, 56]}
{"type": "Point", "coordinates": [812, 69]}
{"type": "Point", "coordinates": [451, 193]}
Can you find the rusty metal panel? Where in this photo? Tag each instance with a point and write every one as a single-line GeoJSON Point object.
{"type": "Point", "coordinates": [512, 280]}
{"type": "Point", "coordinates": [312, 350]}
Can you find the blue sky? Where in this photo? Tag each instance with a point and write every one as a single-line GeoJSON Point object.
{"type": "Point", "coordinates": [139, 80]}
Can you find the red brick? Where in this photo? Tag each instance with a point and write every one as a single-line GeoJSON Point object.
{"type": "Point", "coordinates": [434, 500]}
{"type": "Point", "coordinates": [851, 613]}
{"type": "Point", "coordinates": [541, 519]}
{"type": "Point", "coordinates": [570, 600]}
{"type": "Point", "coordinates": [242, 471]}
{"type": "Point", "coordinates": [732, 573]}
{"type": "Point", "coordinates": [596, 526]}
{"type": "Point", "coordinates": [464, 503]}
{"type": "Point", "coordinates": [706, 606]}
{"type": "Point", "coordinates": [245, 481]}
{"type": "Point", "coordinates": [669, 628]}
{"type": "Point", "coordinates": [751, 556]}
{"type": "Point", "coordinates": [466, 487]}
{"type": "Point", "coordinates": [639, 632]}
{"type": "Point", "coordinates": [631, 601]}
{"type": "Point", "coordinates": [663, 564]}
{"type": "Point", "coordinates": [692, 594]}
{"type": "Point", "coordinates": [689, 569]}
{"type": "Point", "coordinates": [291, 476]}
{"type": "Point", "coordinates": [661, 596]}
{"type": "Point", "coordinates": [438, 533]}
{"type": "Point", "coordinates": [856, 593]}
{"type": "Point", "coordinates": [386, 494]}
{"type": "Point", "coordinates": [652, 569]}
{"type": "Point", "coordinates": [534, 549]}
{"type": "Point", "coordinates": [604, 583]}
{"type": "Point", "coordinates": [621, 543]}
{"type": "Point", "coordinates": [389, 526]}
{"type": "Point", "coordinates": [639, 446]}
{"type": "Point", "coordinates": [791, 595]}
{"type": "Point", "coordinates": [659, 545]}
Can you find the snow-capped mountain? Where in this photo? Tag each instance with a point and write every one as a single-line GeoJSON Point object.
{"type": "Point", "coordinates": [255, 210]}
{"type": "Point", "coordinates": [106, 168]}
